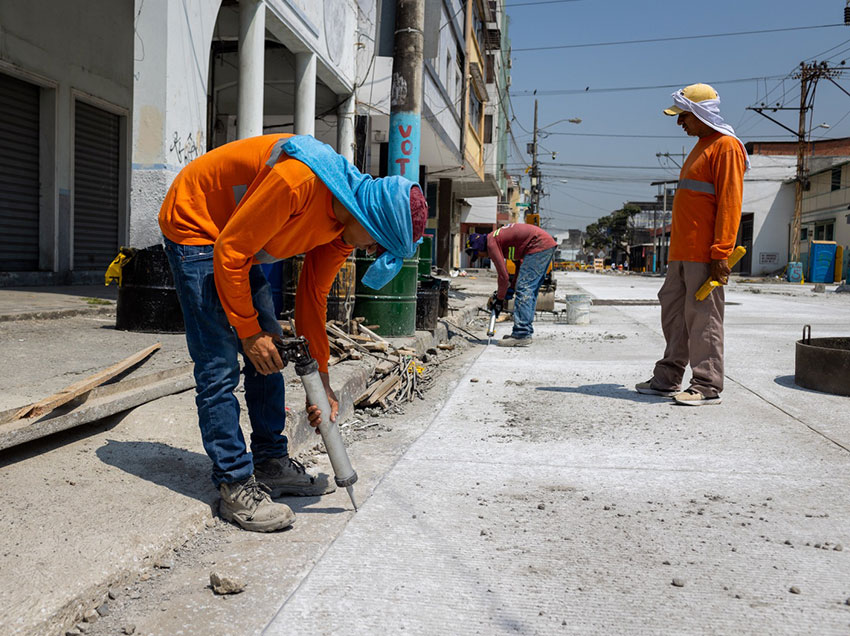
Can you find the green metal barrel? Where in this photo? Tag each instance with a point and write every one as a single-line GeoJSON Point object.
{"type": "Point", "coordinates": [393, 307]}
{"type": "Point", "coordinates": [425, 251]}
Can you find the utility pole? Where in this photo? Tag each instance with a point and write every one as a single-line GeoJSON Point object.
{"type": "Point", "coordinates": [535, 174]}
{"type": "Point", "coordinates": [406, 91]}
{"type": "Point", "coordinates": [809, 74]}
{"type": "Point", "coordinates": [802, 164]}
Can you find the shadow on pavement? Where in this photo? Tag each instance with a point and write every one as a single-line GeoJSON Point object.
{"type": "Point", "coordinates": [185, 472]}
{"type": "Point", "coordinates": [43, 445]}
{"type": "Point", "coordinates": [617, 391]}
{"type": "Point", "coordinates": [788, 382]}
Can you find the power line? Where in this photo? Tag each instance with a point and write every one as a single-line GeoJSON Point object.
{"type": "Point", "coordinates": [528, 4]}
{"type": "Point", "coordinates": [588, 89]}
{"type": "Point", "coordinates": [676, 38]}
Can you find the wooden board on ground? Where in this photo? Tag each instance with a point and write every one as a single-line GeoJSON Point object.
{"type": "Point", "coordinates": [83, 386]}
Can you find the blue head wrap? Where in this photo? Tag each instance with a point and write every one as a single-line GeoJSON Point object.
{"type": "Point", "coordinates": [382, 206]}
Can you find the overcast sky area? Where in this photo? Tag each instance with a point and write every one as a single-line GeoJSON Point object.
{"type": "Point", "coordinates": [619, 91]}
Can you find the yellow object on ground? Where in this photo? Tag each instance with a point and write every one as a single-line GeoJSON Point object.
{"type": "Point", "coordinates": [709, 285]}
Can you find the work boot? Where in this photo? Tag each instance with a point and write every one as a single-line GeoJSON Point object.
{"type": "Point", "coordinates": [692, 397]}
{"type": "Point", "coordinates": [286, 476]}
{"type": "Point", "coordinates": [510, 341]}
{"type": "Point", "coordinates": [647, 389]}
{"type": "Point", "coordinates": [247, 503]}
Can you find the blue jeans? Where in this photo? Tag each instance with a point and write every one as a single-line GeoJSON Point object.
{"type": "Point", "coordinates": [214, 347]}
{"type": "Point", "coordinates": [530, 276]}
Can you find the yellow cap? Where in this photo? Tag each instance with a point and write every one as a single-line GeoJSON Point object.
{"type": "Point", "coordinates": [695, 93]}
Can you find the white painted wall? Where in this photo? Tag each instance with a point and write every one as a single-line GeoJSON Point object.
{"type": "Point", "coordinates": [770, 198]}
{"type": "Point", "coordinates": [480, 210]}
{"type": "Point", "coordinates": [172, 48]}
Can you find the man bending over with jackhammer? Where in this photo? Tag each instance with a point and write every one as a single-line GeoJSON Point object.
{"type": "Point", "coordinates": [255, 201]}
{"type": "Point", "coordinates": [531, 249]}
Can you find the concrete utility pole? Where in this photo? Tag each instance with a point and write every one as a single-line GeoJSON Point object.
{"type": "Point", "coordinates": [809, 74]}
{"type": "Point", "coordinates": [406, 91]}
{"type": "Point", "coordinates": [535, 171]}
{"type": "Point", "coordinates": [802, 167]}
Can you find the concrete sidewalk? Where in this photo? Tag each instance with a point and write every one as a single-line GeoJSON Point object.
{"type": "Point", "coordinates": [96, 506]}
{"type": "Point", "coordinates": [548, 497]}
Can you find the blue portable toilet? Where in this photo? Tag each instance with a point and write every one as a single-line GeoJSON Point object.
{"type": "Point", "coordinates": [822, 262]}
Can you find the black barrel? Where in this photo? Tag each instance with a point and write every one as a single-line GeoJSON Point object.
{"type": "Point", "coordinates": [147, 300]}
{"type": "Point", "coordinates": [427, 304]}
{"type": "Point", "coordinates": [445, 283]}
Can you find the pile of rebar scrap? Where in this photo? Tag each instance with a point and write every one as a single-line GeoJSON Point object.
{"type": "Point", "coordinates": [398, 376]}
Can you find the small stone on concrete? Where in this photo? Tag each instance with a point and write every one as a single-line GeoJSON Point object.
{"type": "Point", "coordinates": [541, 506]}
{"type": "Point", "coordinates": [473, 379]}
{"type": "Point", "coordinates": [678, 583]}
{"type": "Point", "coordinates": [91, 616]}
{"type": "Point", "coordinates": [103, 610]}
{"type": "Point", "coordinates": [112, 593]}
{"type": "Point", "coordinates": [794, 589]}
{"type": "Point", "coordinates": [838, 548]}
{"type": "Point", "coordinates": [164, 564]}
{"type": "Point", "coordinates": [225, 584]}
{"type": "Point", "coordinates": [129, 629]}
{"type": "Point", "coordinates": [73, 632]}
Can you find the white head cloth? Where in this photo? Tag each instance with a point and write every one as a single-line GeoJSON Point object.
{"type": "Point", "coordinates": [708, 112]}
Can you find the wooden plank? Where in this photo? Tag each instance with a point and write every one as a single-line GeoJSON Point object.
{"type": "Point", "coordinates": [102, 402]}
{"type": "Point", "coordinates": [78, 388]}
{"type": "Point", "coordinates": [371, 333]}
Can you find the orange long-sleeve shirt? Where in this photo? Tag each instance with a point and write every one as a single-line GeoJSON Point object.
{"type": "Point", "coordinates": [229, 197]}
{"type": "Point", "coordinates": [707, 205]}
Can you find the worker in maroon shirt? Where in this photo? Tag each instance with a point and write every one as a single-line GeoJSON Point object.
{"type": "Point", "coordinates": [531, 249]}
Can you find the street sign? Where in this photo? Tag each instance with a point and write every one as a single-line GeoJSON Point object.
{"type": "Point", "coordinates": [523, 205]}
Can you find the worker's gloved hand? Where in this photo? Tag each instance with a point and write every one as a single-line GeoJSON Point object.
{"type": "Point", "coordinates": [720, 271]}
{"type": "Point", "coordinates": [314, 415]}
{"type": "Point", "coordinates": [262, 353]}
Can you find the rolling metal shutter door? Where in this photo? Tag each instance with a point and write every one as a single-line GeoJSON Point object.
{"type": "Point", "coordinates": [19, 185]}
{"type": "Point", "coordinates": [96, 187]}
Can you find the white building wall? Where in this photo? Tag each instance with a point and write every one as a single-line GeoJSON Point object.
{"type": "Point", "coordinates": [172, 49]}
{"type": "Point", "coordinates": [480, 210]}
{"type": "Point", "coordinates": [770, 199]}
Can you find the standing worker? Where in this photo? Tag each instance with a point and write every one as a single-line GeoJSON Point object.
{"type": "Point", "coordinates": [254, 201]}
{"type": "Point", "coordinates": [706, 215]}
{"type": "Point", "coordinates": [531, 248]}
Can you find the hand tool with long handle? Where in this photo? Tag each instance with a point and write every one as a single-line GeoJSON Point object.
{"type": "Point", "coordinates": [491, 327]}
{"type": "Point", "coordinates": [307, 369]}
{"type": "Point", "coordinates": [709, 285]}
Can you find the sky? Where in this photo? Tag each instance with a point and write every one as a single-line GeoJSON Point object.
{"type": "Point", "coordinates": [622, 128]}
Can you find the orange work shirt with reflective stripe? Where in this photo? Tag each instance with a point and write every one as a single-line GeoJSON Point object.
{"type": "Point", "coordinates": [705, 223]}
{"type": "Point", "coordinates": [230, 198]}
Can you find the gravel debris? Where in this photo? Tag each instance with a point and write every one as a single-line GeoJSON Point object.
{"type": "Point", "coordinates": [678, 582]}
{"type": "Point", "coordinates": [226, 584]}
{"type": "Point", "coordinates": [794, 589]}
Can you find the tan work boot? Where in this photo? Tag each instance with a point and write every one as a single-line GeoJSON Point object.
{"type": "Point", "coordinates": [510, 341]}
{"type": "Point", "coordinates": [247, 503]}
{"type": "Point", "coordinates": [286, 476]}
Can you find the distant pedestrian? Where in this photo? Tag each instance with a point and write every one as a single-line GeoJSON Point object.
{"type": "Point", "coordinates": [255, 201]}
{"type": "Point", "coordinates": [532, 249]}
{"type": "Point", "coordinates": [706, 215]}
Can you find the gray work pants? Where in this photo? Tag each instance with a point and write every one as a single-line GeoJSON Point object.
{"type": "Point", "coordinates": [693, 330]}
